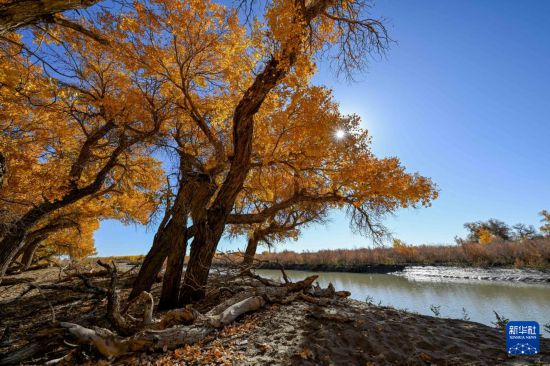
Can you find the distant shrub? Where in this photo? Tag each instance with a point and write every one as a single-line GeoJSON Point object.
{"type": "Point", "coordinates": [485, 236]}
{"type": "Point", "coordinates": [435, 309]}
{"type": "Point", "coordinates": [500, 321]}
{"type": "Point", "coordinates": [545, 228]}
{"type": "Point", "coordinates": [497, 228]}
{"type": "Point", "coordinates": [129, 258]}
{"type": "Point", "coordinates": [403, 249]}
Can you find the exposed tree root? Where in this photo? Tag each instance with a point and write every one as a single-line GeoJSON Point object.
{"type": "Point", "coordinates": [154, 336]}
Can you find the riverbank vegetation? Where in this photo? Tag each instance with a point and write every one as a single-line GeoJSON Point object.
{"type": "Point", "coordinates": [533, 253]}
{"type": "Point", "coordinates": [488, 243]}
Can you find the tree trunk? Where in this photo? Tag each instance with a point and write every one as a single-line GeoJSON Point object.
{"type": "Point", "coordinates": [250, 250]}
{"type": "Point", "coordinates": [11, 244]}
{"type": "Point", "coordinates": [203, 248]}
{"type": "Point", "coordinates": [209, 228]}
{"type": "Point", "coordinates": [28, 254]}
{"type": "Point", "coordinates": [170, 237]}
{"type": "Point", "coordinates": [13, 241]}
{"type": "Point", "coordinates": [152, 264]}
{"type": "Point", "coordinates": [19, 13]}
{"type": "Point", "coordinates": [34, 238]}
{"type": "Point", "coordinates": [171, 281]}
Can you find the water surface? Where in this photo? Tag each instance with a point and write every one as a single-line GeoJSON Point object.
{"type": "Point", "coordinates": [512, 299]}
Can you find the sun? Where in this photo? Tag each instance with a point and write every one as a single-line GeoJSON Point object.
{"type": "Point", "coordinates": [340, 134]}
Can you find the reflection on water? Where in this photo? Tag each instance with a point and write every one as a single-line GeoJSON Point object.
{"type": "Point", "coordinates": [514, 300]}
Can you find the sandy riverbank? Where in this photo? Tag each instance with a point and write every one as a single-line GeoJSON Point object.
{"type": "Point", "coordinates": [353, 333]}
{"type": "Point", "coordinates": [345, 332]}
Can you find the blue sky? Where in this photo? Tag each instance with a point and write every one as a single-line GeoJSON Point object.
{"type": "Point", "coordinates": [462, 97]}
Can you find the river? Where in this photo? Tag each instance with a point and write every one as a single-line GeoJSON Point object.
{"type": "Point", "coordinates": [455, 292]}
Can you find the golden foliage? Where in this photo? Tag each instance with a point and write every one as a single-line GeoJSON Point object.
{"type": "Point", "coordinates": [180, 69]}
{"type": "Point", "coordinates": [58, 135]}
{"type": "Point", "coordinates": [402, 248]}
{"type": "Point", "coordinates": [485, 236]}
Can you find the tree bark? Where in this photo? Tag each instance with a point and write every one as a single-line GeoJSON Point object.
{"type": "Point", "coordinates": [20, 13]}
{"type": "Point", "coordinates": [34, 239]}
{"type": "Point", "coordinates": [28, 254]}
{"type": "Point", "coordinates": [152, 264]}
{"type": "Point", "coordinates": [171, 281]}
{"type": "Point", "coordinates": [250, 251]}
{"type": "Point", "coordinates": [14, 240]}
{"type": "Point", "coordinates": [202, 252]}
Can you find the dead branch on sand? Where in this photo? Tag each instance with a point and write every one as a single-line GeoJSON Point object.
{"type": "Point", "coordinates": [135, 335]}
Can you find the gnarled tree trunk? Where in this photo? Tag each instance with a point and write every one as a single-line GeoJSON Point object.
{"type": "Point", "coordinates": [171, 238]}
{"type": "Point", "coordinates": [250, 251]}
{"type": "Point", "coordinates": [171, 281]}
{"type": "Point", "coordinates": [152, 264]}
{"type": "Point", "coordinates": [210, 228]}
{"type": "Point", "coordinates": [202, 253]}
{"type": "Point", "coordinates": [35, 238]}
{"type": "Point", "coordinates": [14, 240]}
{"type": "Point", "coordinates": [19, 13]}
{"type": "Point", "coordinates": [28, 253]}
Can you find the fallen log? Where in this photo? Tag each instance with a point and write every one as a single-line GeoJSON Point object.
{"type": "Point", "coordinates": [111, 345]}
{"type": "Point", "coordinates": [234, 311]}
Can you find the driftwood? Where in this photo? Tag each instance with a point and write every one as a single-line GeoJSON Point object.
{"type": "Point", "coordinates": [110, 344]}
{"type": "Point", "coordinates": [329, 292]}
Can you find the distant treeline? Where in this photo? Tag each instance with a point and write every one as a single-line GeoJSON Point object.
{"type": "Point", "coordinates": [486, 231]}
{"type": "Point", "coordinates": [534, 253]}
{"type": "Point", "coordinates": [488, 243]}
{"type": "Point", "coordinates": [122, 258]}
